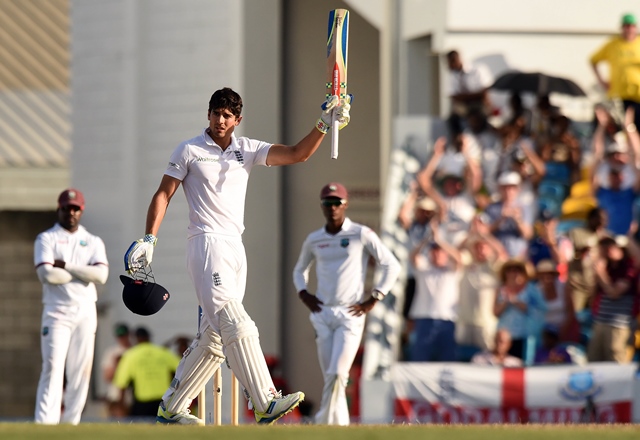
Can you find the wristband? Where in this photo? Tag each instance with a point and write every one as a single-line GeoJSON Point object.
{"type": "Point", "coordinates": [150, 238]}
{"type": "Point", "coordinates": [322, 126]}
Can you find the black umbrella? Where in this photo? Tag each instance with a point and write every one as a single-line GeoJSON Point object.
{"type": "Point", "coordinates": [538, 83]}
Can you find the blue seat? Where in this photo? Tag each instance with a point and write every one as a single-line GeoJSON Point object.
{"type": "Point", "coordinates": [550, 204]}
{"type": "Point", "coordinates": [564, 226]}
{"type": "Point", "coordinates": [553, 189]}
{"type": "Point", "coordinates": [557, 171]}
{"type": "Point", "coordinates": [464, 353]}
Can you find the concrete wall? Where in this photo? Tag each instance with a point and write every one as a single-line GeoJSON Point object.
{"type": "Point", "coordinates": [20, 314]}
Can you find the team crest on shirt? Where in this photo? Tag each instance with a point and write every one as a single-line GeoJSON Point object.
{"type": "Point", "coordinates": [45, 331]}
{"type": "Point", "coordinates": [216, 279]}
{"type": "Point", "coordinates": [83, 243]}
{"type": "Point", "coordinates": [239, 157]}
{"type": "Point", "coordinates": [344, 242]}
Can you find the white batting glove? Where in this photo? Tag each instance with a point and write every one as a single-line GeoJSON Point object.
{"type": "Point", "coordinates": [140, 253]}
{"type": "Point", "coordinates": [329, 107]}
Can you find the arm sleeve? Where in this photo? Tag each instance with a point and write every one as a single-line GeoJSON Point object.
{"type": "Point", "coordinates": [301, 270]}
{"type": "Point", "coordinates": [388, 267]}
{"type": "Point", "coordinates": [53, 275]}
{"type": "Point", "coordinates": [97, 274]}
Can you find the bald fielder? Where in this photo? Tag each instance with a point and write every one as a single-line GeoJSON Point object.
{"type": "Point", "coordinates": [341, 250]}
{"type": "Point", "coordinates": [214, 169]}
{"type": "Point", "coordinates": [69, 262]}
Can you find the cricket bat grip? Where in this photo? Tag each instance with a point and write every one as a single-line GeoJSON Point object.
{"type": "Point", "coordinates": [335, 128]}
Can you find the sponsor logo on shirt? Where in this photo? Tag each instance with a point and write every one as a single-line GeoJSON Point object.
{"type": "Point", "coordinates": [344, 242]}
{"type": "Point", "coordinates": [174, 165]}
{"type": "Point", "coordinates": [323, 245]}
{"type": "Point", "coordinates": [207, 159]}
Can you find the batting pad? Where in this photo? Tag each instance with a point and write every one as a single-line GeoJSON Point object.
{"type": "Point", "coordinates": [200, 361]}
{"type": "Point", "coordinates": [244, 355]}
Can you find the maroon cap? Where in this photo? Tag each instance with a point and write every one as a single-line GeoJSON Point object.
{"type": "Point", "coordinates": [334, 189]}
{"type": "Point", "coordinates": [71, 197]}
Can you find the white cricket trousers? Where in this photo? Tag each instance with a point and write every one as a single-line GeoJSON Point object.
{"type": "Point", "coordinates": [67, 341]}
{"type": "Point", "coordinates": [338, 337]}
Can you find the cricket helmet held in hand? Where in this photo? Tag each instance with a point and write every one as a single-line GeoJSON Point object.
{"type": "Point", "coordinates": [143, 297]}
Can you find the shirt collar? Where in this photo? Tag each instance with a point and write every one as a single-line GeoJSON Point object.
{"type": "Point", "coordinates": [233, 146]}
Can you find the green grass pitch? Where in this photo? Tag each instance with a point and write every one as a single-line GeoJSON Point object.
{"type": "Point", "coordinates": [89, 431]}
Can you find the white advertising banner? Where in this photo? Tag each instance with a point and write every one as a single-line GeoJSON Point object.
{"type": "Point", "coordinates": [466, 393]}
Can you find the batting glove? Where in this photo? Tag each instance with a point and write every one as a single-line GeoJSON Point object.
{"type": "Point", "coordinates": [339, 106]}
{"type": "Point", "coordinates": [140, 253]}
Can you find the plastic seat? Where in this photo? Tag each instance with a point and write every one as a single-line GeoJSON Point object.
{"type": "Point", "coordinates": [557, 171]}
{"type": "Point", "coordinates": [580, 189]}
{"type": "Point", "coordinates": [553, 189]}
{"type": "Point", "coordinates": [564, 226]}
{"type": "Point", "coordinates": [577, 208]}
{"type": "Point", "coordinates": [550, 204]}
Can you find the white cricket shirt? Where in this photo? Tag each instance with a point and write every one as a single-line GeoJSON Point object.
{"type": "Point", "coordinates": [215, 181]}
{"type": "Point", "coordinates": [341, 263]}
{"type": "Point", "coordinates": [78, 248]}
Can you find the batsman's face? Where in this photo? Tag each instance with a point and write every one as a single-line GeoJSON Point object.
{"type": "Point", "coordinates": [334, 209]}
{"type": "Point", "coordinates": [222, 122]}
{"type": "Point", "coordinates": [69, 217]}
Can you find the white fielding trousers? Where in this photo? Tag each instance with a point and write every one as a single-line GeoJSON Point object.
{"type": "Point", "coordinates": [67, 340]}
{"type": "Point", "coordinates": [338, 336]}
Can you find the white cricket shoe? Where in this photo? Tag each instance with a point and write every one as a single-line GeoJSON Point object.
{"type": "Point", "coordinates": [278, 407]}
{"type": "Point", "coordinates": [183, 418]}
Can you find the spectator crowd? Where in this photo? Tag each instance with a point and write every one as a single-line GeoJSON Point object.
{"type": "Point", "coordinates": [523, 236]}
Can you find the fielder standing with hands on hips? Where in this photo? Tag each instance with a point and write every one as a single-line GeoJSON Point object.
{"type": "Point", "coordinates": [69, 262]}
{"type": "Point", "coordinates": [341, 250]}
{"type": "Point", "coordinates": [214, 169]}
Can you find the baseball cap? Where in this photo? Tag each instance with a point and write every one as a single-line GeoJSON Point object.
{"type": "Point", "coordinates": [426, 204]}
{"type": "Point", "coordinates": [71, 196]}
{"type": "Point", "coordinates": [121, 329]}
{"type": "Point", "coordinates": [628, 19]}
{"type": "Point", "coordinates": [334, 189]}
{"type": "Point", "coordinates": [509, 178]}
{"type": "Point", "coordinates": [143, 297]}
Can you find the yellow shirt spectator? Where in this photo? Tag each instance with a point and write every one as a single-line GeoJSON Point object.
{"type": "Point", "coordinates": [623, 58]}
{"type": "Point", "coordinates": [149, 368]}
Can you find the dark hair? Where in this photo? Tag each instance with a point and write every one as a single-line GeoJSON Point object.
{"type": "Point", "coordinates": [142, 333]}
{"type": "Point", "coordinates": [226, 98]}
{"type": "Point", "coordinates": [452, 54]}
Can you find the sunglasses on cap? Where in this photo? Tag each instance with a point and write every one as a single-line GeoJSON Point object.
{"type": "Point", "coordinates": [333, 202]}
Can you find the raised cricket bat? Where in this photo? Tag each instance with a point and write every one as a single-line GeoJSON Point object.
{"type": "Point", "coordinates": [337, 45]}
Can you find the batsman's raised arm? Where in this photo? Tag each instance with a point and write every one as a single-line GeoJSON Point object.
{"type": "Point", "coordinates": [280, 154]}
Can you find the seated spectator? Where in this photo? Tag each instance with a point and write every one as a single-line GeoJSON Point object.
{"type": "Point", "coordinates": [483, 256]}
{"type": "Point", "coordinates": [514, 146]}
{"type": "Point", "coordinates": [546, 244]}
{"type": "Point", "coordinates": [519, 305]}
{"type": "Point", "coordinates": [456, 197]}
{"type": "Point", "coordinates": [433, 311]}
{"type": "Point", "coordinates": [511, 221]}
{"type": "Point", "coordinates": [615, 302]}
{"type": "Point", "coordinates": [499, 356]}
{"type": "Point", "coordinates": [542, 116]}
{"type": "Point", "coordinates": [551, 351]}
{"type": "Point", "coordinates": [559, 314]}
{"type": "Point", "coordinates": [563, 148]}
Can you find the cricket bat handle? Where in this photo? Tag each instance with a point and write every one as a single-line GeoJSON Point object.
{"type": "Point", "coordinates": [335, 128]}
